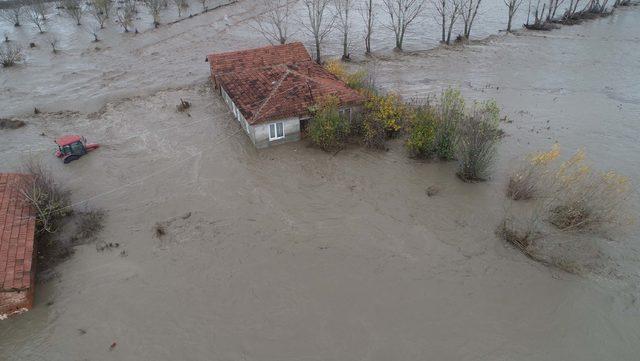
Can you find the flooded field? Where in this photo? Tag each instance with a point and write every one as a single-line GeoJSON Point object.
{"type": "Point", "coordinates": [291, 253]}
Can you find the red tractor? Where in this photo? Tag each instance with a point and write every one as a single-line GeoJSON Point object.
{"type": "Point", "coordinates": [72, 147]}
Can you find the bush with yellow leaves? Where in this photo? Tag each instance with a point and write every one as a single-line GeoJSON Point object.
{"type": "Point", "coordinates": [357, 80]}
{"type": "Point", "coordinates": [329, 129]}
{"type": "Point", "coordinates": [525, 182]}
{"type": "Point", "coordinates": [572, 195]}
{"type": "Point", "coordinates": [587, 198]}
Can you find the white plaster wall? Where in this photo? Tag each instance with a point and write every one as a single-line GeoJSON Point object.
{"type": "Point", "coordinates": [291, 128]}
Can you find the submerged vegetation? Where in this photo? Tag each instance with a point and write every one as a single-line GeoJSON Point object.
{"type": "Point", "coordinates": [10, 54]}
{"type": "Point", "coordinates": [329, 129]}
{"type": "Point", "coordinates": [562, 196]}
{"type": "Point", "coordinates": [52, 207]}
{"type": "Point", "coordinates": [435, 128]}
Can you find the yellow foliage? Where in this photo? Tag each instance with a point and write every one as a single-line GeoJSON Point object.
{"type": "Point", "coordinates": [388, 109]}
{"type": "Point", "coordinates": [543, 158]}
{"type": "Point", "coordinates": [336, 68]}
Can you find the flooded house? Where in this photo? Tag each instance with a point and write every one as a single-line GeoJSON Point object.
{"type": "Point", "coordinates": [271, 91]}
{"type": "Point", "coordinates": [17, 247]}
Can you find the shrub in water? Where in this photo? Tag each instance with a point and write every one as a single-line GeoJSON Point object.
{"type": "Point", "coordinates": [10, 54]}
{"type": "Point", "coordinates": [526, 182]}
{"type": "Point", "coordinates": [451, 113]}
{"type": "Point", "coordinates": [357, 80]}
{"type": "Point", "coordinates": [584, 198]}
{"type": "Point", "coordinates": [388, 109]}
{"type": "Point", "coordinates": [476, 147]}
{"type": "Point", "coordinates": [328, 129]}
{"type": "Point", "coordinates": [422, 132]}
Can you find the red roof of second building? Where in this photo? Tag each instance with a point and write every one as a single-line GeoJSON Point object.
{"type": "Point", "coordinates": [17, 235]}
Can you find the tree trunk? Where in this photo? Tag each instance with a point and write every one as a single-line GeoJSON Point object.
{"type": "Point", "coordinates": [444, 21]}
{"type": "Point", "coordinates": [345, 47]}
{"type": "Point", "coordinates": [449, 33]}
{"type": "Point", "coordinates": [367, 39]}
{"type": "Point", "coordinates": [318, 60]}
{"type": "Point", "coordinates": [509, 22]}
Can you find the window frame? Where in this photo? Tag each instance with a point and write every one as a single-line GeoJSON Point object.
{"type": "Point", "coordinates": [345, 113]}
{"type": "Point", "coordinates": [275, 131]}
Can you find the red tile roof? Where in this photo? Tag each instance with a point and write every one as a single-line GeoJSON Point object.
{"type": "Point", "coordinates": [257, 58]}
{"type": "Point", "coordinates": [17, 235]}
{"type": "Point", "coordinates": [267, 87]}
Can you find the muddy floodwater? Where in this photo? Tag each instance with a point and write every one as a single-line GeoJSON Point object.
{"type": "Point", "coordinates": [291, 253]}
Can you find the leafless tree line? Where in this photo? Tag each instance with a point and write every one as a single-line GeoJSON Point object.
{"type": "Point", "coordinates": [324, 16]}
{"type": "Point", "coordinates": [123, 12]}
{"type": "Point", "coordinates": [546, 12]}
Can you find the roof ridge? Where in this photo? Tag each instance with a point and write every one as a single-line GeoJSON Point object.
{"type": "Point", "coordinates": [273, 91]}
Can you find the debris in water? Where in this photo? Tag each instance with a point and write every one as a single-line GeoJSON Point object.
{"type": "Point", "coordinates": [183, 106]}
{"type": "Point", "coordinates": [11, 123]}
{"type": "Point", "coordinates": [102, 245]}
{"type": "Point", "coordinates": [432, 190]}
{"type": "Point", "coordinates": [159, 230]}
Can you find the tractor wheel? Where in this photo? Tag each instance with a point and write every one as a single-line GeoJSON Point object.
{"type": "Point", "coordinates": [70, 159]}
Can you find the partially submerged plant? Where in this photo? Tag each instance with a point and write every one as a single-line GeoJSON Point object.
{"type": "Point", "coordinates": [329, 129]}
{"type": "Point", "coordinates": [451, 113]}
{"type": "Point", "coordinates": [13, 15]}
{"type": "Point", "coordinates": [476, 146]}
{"type": "Point", "coordinates": [527, 180]}
{"type": "Point", "coordinates": [91, 223]}
{"type": "Point", "coordinates": [422, 132]}
{"type": "Point", "coordinates": [10, 54]}
{"type": "Point", "coordinates": [587, 199]}
{"type": "Point", "coordinates": [570, 194]}
{"type": "Point", "coordinates": [48, 199]}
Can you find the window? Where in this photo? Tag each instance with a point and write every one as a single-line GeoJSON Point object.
{"type": "Point", "coordinates": [276, 131]}
{"type": "Point", "coordinates": [345, 113]}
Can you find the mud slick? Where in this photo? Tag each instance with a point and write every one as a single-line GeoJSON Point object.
{"type": "Point", "coordinates": [212, 250]}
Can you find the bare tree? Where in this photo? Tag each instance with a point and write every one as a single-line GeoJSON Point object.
{"type": "Point", "coordinates": [274, 23]}
{"type": "Point", "coordinates": [572, 9]}
{"type": "Point", "coordinates": [34, 17]}
{"type": "Point", "coordinates": [42, 7]}
{"type": "Point", "coordinates": [448, 12]}
{"type": "Point", "coordinates": [343, 10]}
{"type": "Point", "coordinates": [318, 26]}
{"type": "Point", "coordinates": [181, 5]}
{"type": "Point", "coordinates": [10, 54]}
{"type": "Point", "coordinates": [100, 11]}
{"type": "Point", "coordinates": [94, 30]}
{"type": "Point", "coordinates": [12, 15]}
{"type": "Point", "coordinates": [125, 15]}
{"type": "Point", "coordinates": [401, 14]}
{"type": "Point", "coordinates": [538, 15]}
{"type": "Point", "coordinates": [553, 8]}
{"type": "Point", "coordinates": [74, 9]}
{"type": "Point", "coordinates": [154, 9]}
{"type": "Point", "coordinates": [512, 6]}
{"type": "Point", "coordinates": [368, 16]}
{"type": "Point", "coordinates": [53, 42]}
{"type": "Point", "coordinates": [469, 12]}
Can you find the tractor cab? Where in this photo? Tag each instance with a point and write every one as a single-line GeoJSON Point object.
{"type": "Point", "coordinates": [72, 147]}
